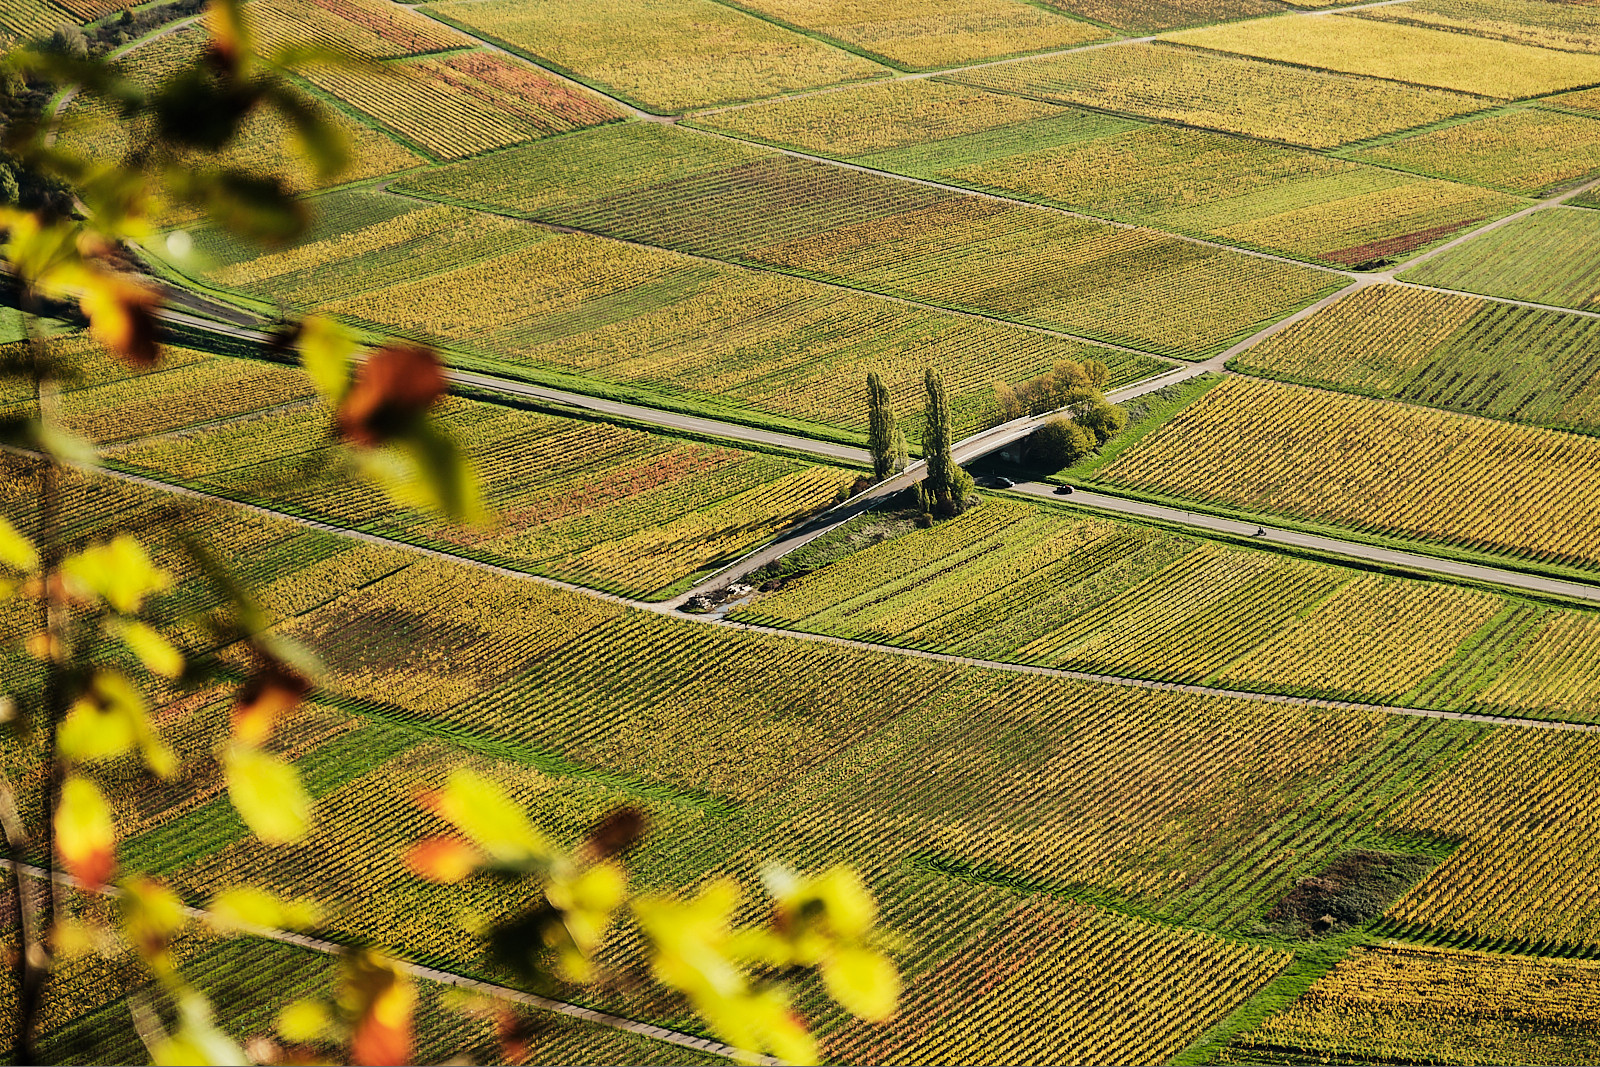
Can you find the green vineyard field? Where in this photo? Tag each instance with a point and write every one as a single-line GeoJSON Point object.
{"type": "Point", "coordinates": [1545, 258]}
{"type": "Point", "coordinates": [1445, 350]}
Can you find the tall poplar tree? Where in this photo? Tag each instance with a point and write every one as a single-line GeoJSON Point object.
{"type": "Point", "coordinates": [948, 486]}
{"type": "Point", "coordinates": [887, 443]}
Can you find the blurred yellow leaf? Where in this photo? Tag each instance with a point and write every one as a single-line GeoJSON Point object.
{"type": "Point", "coordinates": [110, 719]}
{"type": "Point", "coordinates": [153, 650]}
{"type": "Point", "coordinates": [118, 572]}
{"type": "Point", "coordinates": [244, 906]}
{"type": "Point", "coordinates": [152, 915]}
{"type": "Point", "coordinates": [304, 1020]}
{"type": "Point", "coordinates": [196, 1041]}
{"type": "Point", "coordinates": [268, 795]}
{"type": "Point", "coordinates": [863, 982]}
{"type": "Point", "coordinates": [16, 551]}
{"type": "Point", "coordinates": [86, 837]}
{"type": "Point", "coordinates": [121, 311]}
{"type": "Point", "coordinates": [104, 722]}
{"type": "Point", "coordinates": [326, 351]}
{"type": "Point", "coordinates": [480, 809]}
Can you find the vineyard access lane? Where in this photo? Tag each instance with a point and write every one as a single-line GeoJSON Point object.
{"type": "Point", "coordinates": [664, 608]}
{"type": "Point", "coordinates": [1322, 545]}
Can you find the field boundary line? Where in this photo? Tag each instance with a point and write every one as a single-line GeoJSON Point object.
{"type": "Point", "coordinates": [333, 948]}
{"type": "Point", "coordinates": [665, 608]}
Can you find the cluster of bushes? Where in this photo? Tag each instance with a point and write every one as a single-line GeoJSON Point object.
{"type": "Point", "coordinates": [1068, 385]}
{"type": "Point", "coordinates": [1063, 441]}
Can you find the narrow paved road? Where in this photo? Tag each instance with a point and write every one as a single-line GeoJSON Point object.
{"type": "Point", "coordinates": [1448, 568]}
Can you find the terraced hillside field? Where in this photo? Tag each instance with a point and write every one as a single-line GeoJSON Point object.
{"type": "Point", "coordinates": [1377, 467]}
{"type": "Point", "coordinates": [1448, 350]}
{"type": "Point", "coordinates": [677, 328]}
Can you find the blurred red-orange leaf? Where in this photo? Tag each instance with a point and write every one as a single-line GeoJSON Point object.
{"type": "Point", "coordinates": [272, 691]}
{"type": "Point", "coordinates": [381, 997]}
{"type": "Point", "coordinates": [393, 388]}
{"type": "Point", "coordinates": [86, 838]}
{"type": "Point", "coordinates": [121, 313]}
{"type": "Point", "coordinates": [443, 859]}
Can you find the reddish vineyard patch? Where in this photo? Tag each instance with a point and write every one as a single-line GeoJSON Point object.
{"type": "Point", "coordinates": [532, 95]}
{"type": "Point", "coordinates": [1406, 242]}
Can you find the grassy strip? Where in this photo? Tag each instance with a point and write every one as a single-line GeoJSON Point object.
{"type": "Point", "coordinates": [1146, 414]}
{"type": "Point", "coordinates": [1291, 983]}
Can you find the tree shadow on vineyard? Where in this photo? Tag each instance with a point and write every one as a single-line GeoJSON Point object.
{"type": "Point", "coordinates": [1355, 888]}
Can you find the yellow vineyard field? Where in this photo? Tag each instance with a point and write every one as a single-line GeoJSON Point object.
{"type": "Point", "coordinates": [878, 116]}
{"type": "Point", "coordinates": [1569, 27]}
{"type": "Point", "coordinates": [1524, 151]}
{"type": "Point", "coordinates": [1410, 1004]}
{"type": "Point", "coordinates": [1371, 340]}
{"type": "Point", "coordinates": [1405, 53]}
{"type": "Point", "coordinates": [1379, 466]}
{"type": "Point", "coordinates": [1229, 93]}
{"type": "Point", "coordinates": [665, 54]}
{"type": "Point", "coordinates": [1527, 866]}
{"type": "Point", "coordinates": [923, 34]}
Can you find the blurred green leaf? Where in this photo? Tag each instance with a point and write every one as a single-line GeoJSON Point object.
{"type": "Point", "coordinates": [253, 206]}
{"type": "Point", "coordinates": [425, 469]}
{"type": "Point", "coordinates": [320, 141]}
